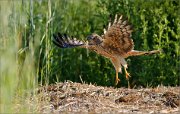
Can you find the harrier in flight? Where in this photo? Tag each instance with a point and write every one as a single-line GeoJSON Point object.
{"type": "Point", "coordinates": [115, 44]}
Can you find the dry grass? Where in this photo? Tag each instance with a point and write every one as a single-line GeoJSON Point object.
{"type": "Point", "coordinates": [71, 97]}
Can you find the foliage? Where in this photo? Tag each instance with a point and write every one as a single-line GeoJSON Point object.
{"type": "Point", "coordinates": [155, 27]}
{"type": "Point", "coordinates": [29, 58]}
{"type": "Point", "coordinates": [17, 71]}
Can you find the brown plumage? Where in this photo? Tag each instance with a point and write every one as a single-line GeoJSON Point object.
{"type": "Point", "coordinates": [115, 44]}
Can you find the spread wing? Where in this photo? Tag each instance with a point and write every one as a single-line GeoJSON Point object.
{"type": "Point", "coordinates": [118, 36]}
{"type": "Point", "coordinates": [63, 41]}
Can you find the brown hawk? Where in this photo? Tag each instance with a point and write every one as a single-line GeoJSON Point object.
{"type": "Point", "coordinates": [115, 44]}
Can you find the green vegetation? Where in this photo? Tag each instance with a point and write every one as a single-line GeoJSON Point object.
{"type": "Point", "coordinates": [28, 58]}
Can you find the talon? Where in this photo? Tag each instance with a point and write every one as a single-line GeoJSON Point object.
{"type": "Point", "coordinates": [117, 81]}
{"type": "Point", "coordinates": [127, 78]}
{"type": "Point", "coordinates": [117, 78]}
{"type": "Point", "coordinates": [127, 75]}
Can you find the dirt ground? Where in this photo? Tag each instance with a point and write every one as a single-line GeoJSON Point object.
{"type": "Point", "coordinates": [69, 97]}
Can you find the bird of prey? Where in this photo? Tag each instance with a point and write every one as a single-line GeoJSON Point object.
{"type": "Point", "coordinates": [115, 44]}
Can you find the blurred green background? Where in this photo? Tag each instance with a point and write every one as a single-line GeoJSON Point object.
{"type": "Point", "coordinates": [28, 57]}
{"type": "Point", "coordinates": [27, 28]}
{"type": "Point", "coordinates": [156, 26]}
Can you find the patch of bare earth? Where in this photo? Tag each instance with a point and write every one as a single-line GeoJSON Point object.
{"type": "Point", "coordinates": [71, 97]}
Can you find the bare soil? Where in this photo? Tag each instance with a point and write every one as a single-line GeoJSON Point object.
{"type": "Point", "coordinates": [69, 97]}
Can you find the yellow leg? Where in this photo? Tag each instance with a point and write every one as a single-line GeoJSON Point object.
{"type": "Point", "coordinates": [127, 74]}
{"type": "Point", "coordinates": [117, 78]}
{"type": "Point", "coordinates": [127, 77]}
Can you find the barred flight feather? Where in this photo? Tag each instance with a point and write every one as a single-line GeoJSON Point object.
{"type": "Point", "coordinates": [63, 41]}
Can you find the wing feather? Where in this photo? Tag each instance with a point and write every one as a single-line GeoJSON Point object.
{"type": "Point", "coordinates": [118, 36]}
{"type": "Point", "coordinates": [63, 41]}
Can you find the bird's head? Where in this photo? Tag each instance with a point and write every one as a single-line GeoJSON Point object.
{"type": "Point", "coordinates": [94, 39]}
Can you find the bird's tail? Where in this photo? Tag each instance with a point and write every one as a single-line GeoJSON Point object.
{"type": "Point", "coordinates": [138, 53]}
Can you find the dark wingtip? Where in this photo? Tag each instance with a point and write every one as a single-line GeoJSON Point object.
{"type": "Point", "coordinates": [57, 40]}
{"type": "Point", "coordinates": [63, 41]}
